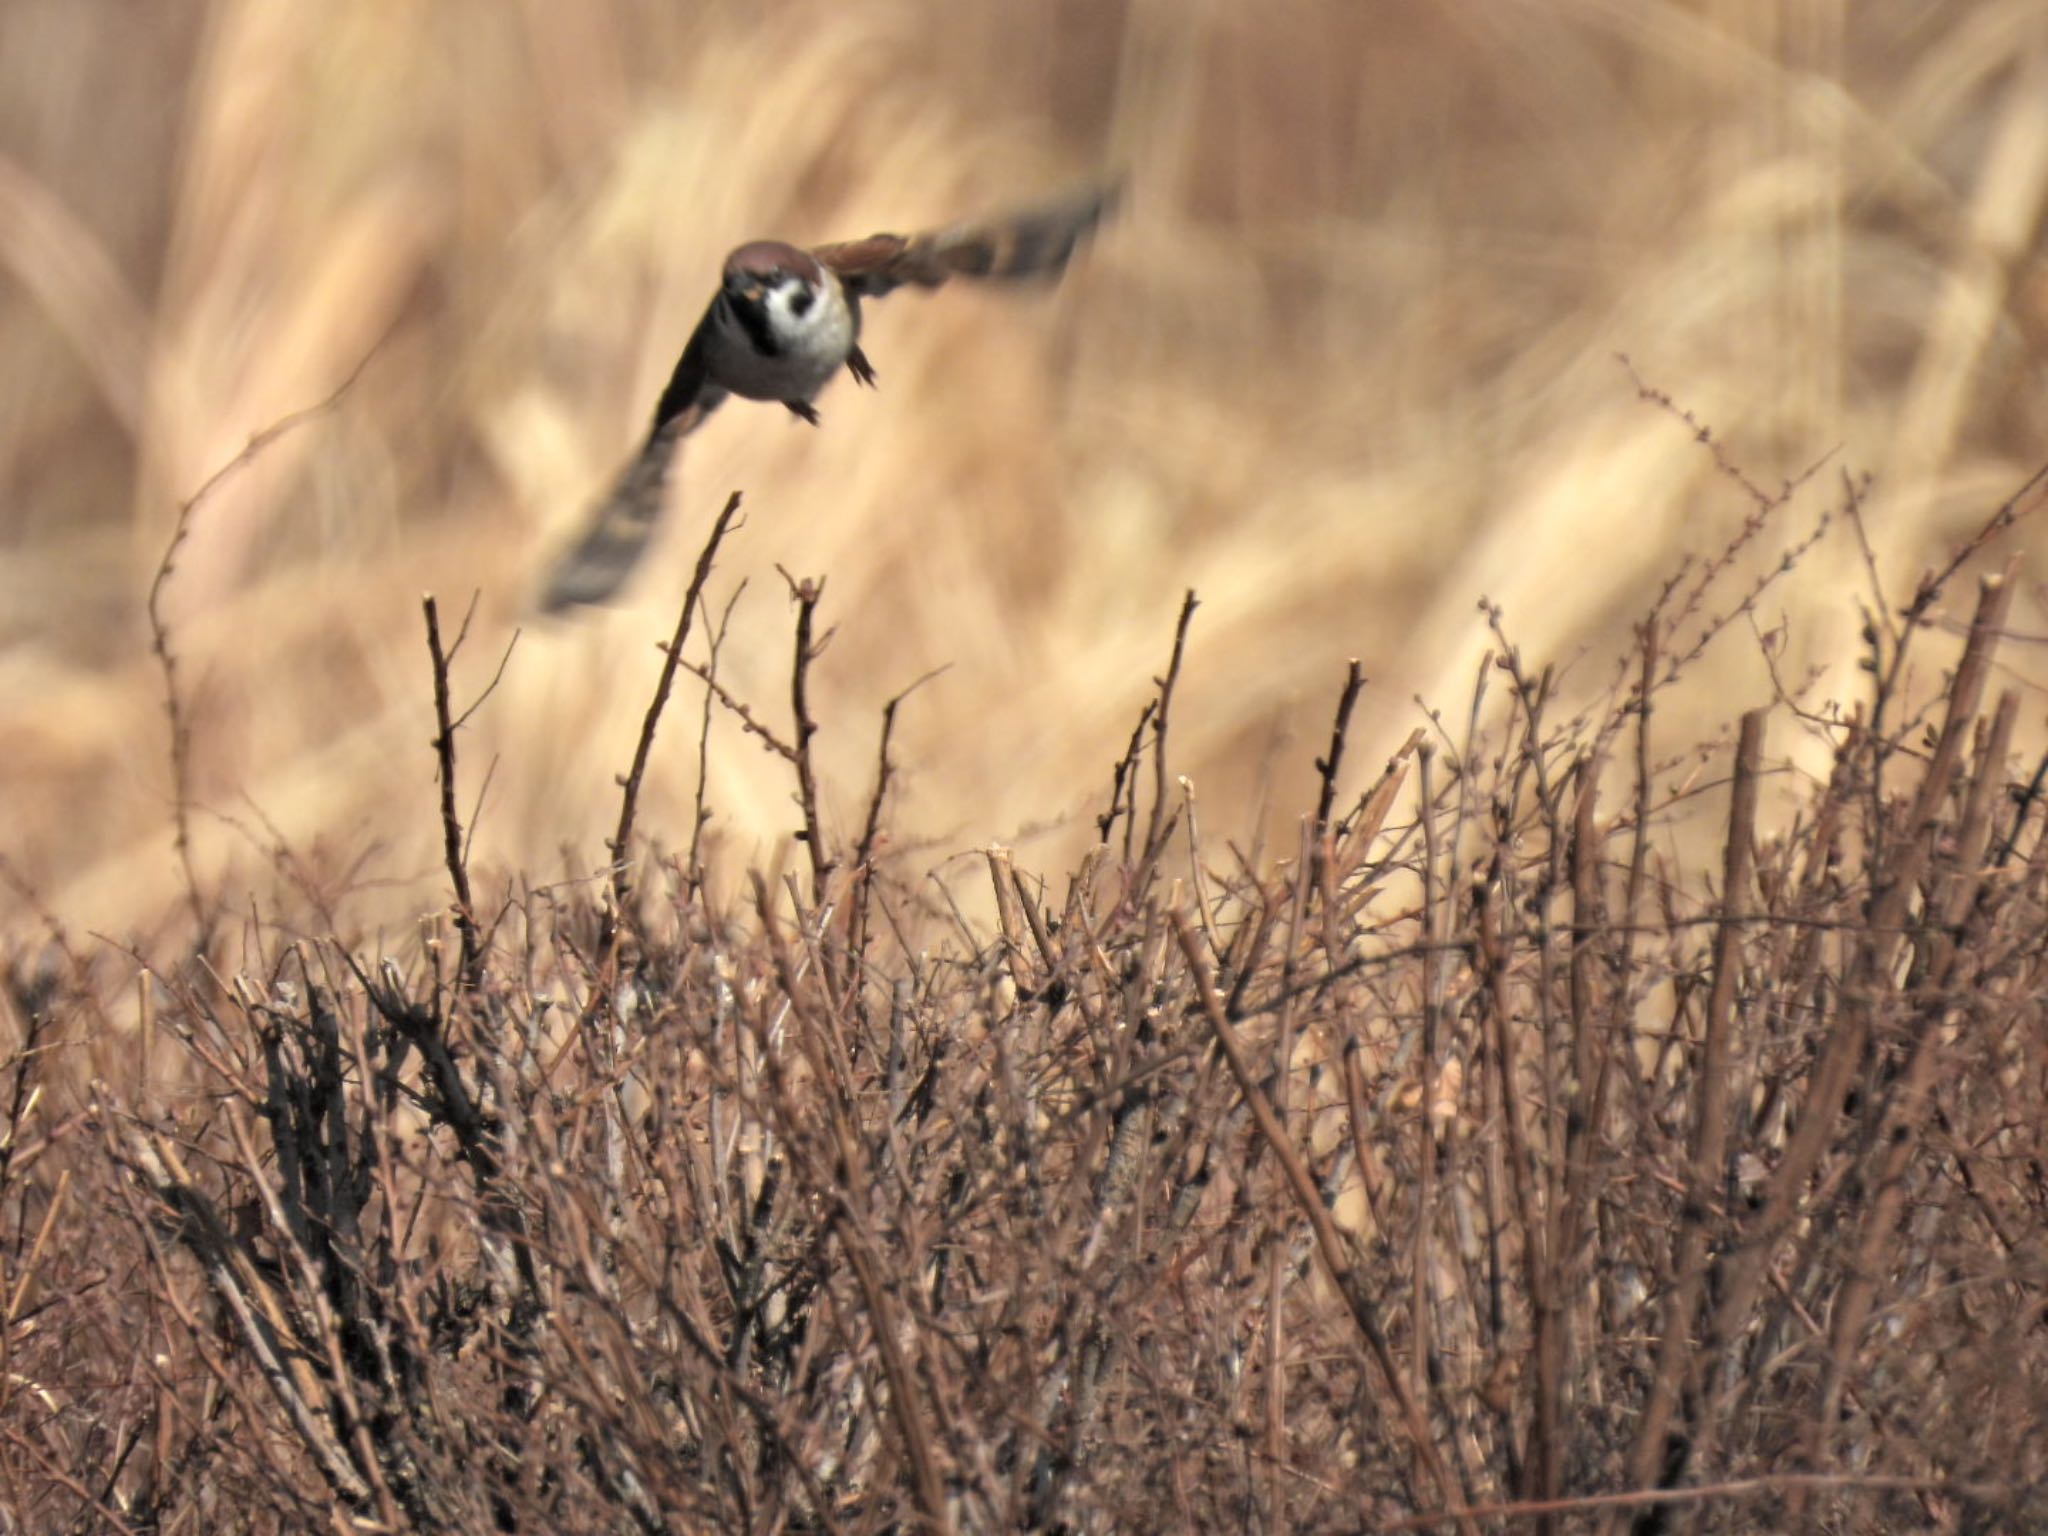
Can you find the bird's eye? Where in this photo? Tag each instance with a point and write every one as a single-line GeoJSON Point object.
{"type": "Point", "coordinates": [800, 301]}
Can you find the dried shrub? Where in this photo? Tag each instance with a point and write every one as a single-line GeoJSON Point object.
{"type": "Point", "coordinates": [1481, 1161]}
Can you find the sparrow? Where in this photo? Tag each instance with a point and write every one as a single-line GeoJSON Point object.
{"type": "Point", "coordinates": [783, 323]}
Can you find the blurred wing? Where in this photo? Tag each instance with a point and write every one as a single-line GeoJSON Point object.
{"type": "Point", "coordinates": [597, 563]}
{"type": "Point", "coordinates": [1039, 241]}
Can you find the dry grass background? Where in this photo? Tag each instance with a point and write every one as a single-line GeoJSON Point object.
{"type": "Point", "coordinates": [1346, 364]}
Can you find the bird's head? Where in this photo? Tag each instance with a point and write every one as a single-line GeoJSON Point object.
{"type": "Point", "coordinates": [779, 282]}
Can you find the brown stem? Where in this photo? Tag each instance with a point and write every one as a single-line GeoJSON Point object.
{"type": "Point", "coordinates": [1697, 1222]}
{"type": "Point", "coordinates": [1154, 836]}
{"type": "Point", "coordinates": [672, 658]}
{"type": "Point", "coordinates": [807, 594]}
{"type": "Point", "coordinates": [1329, 1243]}
{"type": "Point", "coordinates": [451, 827]}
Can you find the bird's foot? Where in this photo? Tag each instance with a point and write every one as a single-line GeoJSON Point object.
{"type": "Point", "coordinates": [803, 408]}
{"type": "Point", "coordinates": [862, 370]}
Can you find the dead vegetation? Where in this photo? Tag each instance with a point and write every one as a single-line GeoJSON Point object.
{"type": "Point", "coordinates": [1346, 357]}
{"type": "Point", "coordinates": [1608, 1107]}
{"type": "Point", "coordinates": [1479, 1160]}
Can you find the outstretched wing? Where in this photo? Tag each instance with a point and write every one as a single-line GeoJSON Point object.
{"type": "Point", "coordinates": [598, 561]}
{"type": "Point", "coordinates": [1038, 241]}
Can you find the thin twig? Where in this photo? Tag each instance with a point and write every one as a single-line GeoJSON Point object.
{"type": "Point", "coordinates": [1327, 768]}
{"type": "Point", "coordinates": [700, 813]}
{"type": "Point", "coordinates": [1153, 834]}
{"type": "Point", "coordinates": [471, 970]}
{"type": "Point", "coordinates": [871, 830]}
{"type": "Point", "coordinates": [807, 594]}
{"type": "Point", "coordinates": [1702, 1493]}
{"type": "Point", "coordinates": [1698, 1224]}
{"type": "Point", "coordinates": [1125, 771]}
{"type": "Point", "coordinates": [750, 722]}
{"type": "Point", "coordinates": [1329, 1243]}
{"type": "Point", "coordinates": [160, 629]}
{"type": "Point", "coordinates": [643, 748]}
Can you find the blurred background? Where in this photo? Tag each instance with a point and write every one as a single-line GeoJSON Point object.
{"type": "Point", "coordinates": [1346, 362]}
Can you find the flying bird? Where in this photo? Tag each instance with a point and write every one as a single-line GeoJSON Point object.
{"type": "Point", "coordinates": [783, 323]}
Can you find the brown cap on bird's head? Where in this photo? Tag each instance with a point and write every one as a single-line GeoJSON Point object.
{"type": "Point", "coordinates": [759, 260]}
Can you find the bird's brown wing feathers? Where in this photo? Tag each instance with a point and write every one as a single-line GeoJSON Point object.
{"type": "Point", "coordinates": [1037, 241]}
{"type": "Point", "coordinates": [597, 562]}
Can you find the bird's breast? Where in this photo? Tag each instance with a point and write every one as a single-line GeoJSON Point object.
{"type": "Point", "coordinates": [792, 357]}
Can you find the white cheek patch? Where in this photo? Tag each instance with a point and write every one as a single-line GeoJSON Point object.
{"type": "Point", "coordinates": [795, 309]}
{"type": "Point", "coordinates": [802, 348]}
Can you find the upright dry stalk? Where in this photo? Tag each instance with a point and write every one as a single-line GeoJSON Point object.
{"type": "Point", "coordinates": [1157, 827]}
{"type": "Point", "coordinates": [1331, 763]}
{"type": "Point", "coordinates": [1700, 1219]}
{"type": "Point", "coordinates": [1585, 1120]}
{"type": "Point", "coordinates": [1330, 1247]}
{"type": "Point", "coordinates": [1903, 1119]}
{"type": "Point", "coordinates": [1538, 1257]}
{"type": "Point", "coordinates": [451, 826]}
{"type": "Point", "coordinates": [868, 849]}
{"type": "Point", "coordinates": [1866, 981]}
{"type": "Point", "coordinates": [1425, 1130]}
{"type": "Point", "coordinates": [643, 746]}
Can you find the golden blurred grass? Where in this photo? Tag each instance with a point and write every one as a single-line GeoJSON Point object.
{"type": "Point", "coordinates": [1345, 365]}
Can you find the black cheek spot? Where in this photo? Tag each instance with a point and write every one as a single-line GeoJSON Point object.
{"type": "Point", "coordinates": [800, 302]}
